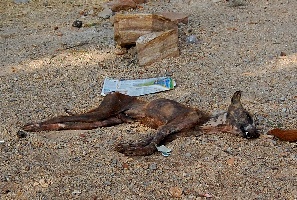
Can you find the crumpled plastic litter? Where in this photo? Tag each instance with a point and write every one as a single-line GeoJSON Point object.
{"type": "Point", "coordinates": [164, 150]}
{"type": "Point", "coordinates": [138, 87]}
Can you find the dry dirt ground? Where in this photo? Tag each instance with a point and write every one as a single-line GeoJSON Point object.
{"type": "Point", "coordinates": [47, 65]}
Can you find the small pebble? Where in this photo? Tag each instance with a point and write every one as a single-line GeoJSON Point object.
{"type": "Point", "coordinates": [271, 142]}
{"type": "Point", "coordinates": [293, 156]}
{"type": "Point", "coordinates": [230, 161]}
{"type": "Point", "coordinates": [283, 54]}
{"type": "Point", "coordinates": [229, 150]}
{"type": "Point", "coordinates": [21, 134]}
{"type": "Point", "coordinates": [153, 166]}
{"type": "Point", "coordinates": [188, 154]}
{"type": "Point", "coordinates": [114, 162]}
{"type": "Point", "coordinates": [105, 14]}
{"type": "Point", "coordinates": [120, 51]}
{"type": "Point", "coordinates": [75, 192]}
{"type": "Point", "coordinates": [282, 99]}
{"type": "Point", "coordinates": [43, 183]}
{"type": "Point", "coordinates": [77, 24]}
{"type": "Point", "coordinates": [107, 183]}
{"type": "Point", "coordinates": [260, 118]}
{"type": "Point", "coordinates": [192, 39]}
{"type": "Point", "coordinates": [99, 165]}
{"type": "Point", "coordinates": [175, 192]}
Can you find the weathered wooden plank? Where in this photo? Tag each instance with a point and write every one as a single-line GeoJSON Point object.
{"type": "Point", "coordinates": [129, 27]}
{"type": "Point", "coordinates": [156, 46]}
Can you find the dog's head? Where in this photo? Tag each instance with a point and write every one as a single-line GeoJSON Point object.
{"type": "Point", "coordinates": [249, 131]}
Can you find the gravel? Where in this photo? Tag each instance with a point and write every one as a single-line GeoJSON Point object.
{"type": "Point", "coordinates": [47, 65]}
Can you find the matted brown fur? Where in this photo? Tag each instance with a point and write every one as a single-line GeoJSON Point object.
{"type": "Point", "coordinates": [167, 116]}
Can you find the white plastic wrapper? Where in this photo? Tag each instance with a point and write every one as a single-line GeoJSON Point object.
{"type": "Point", "coordinates": [164, 150]}
{"type": "Point", "coordinates": [138, 87]}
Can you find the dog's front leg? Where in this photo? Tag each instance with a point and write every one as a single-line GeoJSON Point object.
{"type": "Point", "coordinates": [148, 147]}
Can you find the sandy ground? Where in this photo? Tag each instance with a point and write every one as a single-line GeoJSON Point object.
{"type": "Point", "coordinates": [48, 65]}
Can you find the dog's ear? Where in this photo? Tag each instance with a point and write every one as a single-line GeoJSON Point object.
{"type": "Point", "coordinates": [236, 97]}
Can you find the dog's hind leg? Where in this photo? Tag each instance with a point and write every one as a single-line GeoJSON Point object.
{"type": "Point", "coordinates": [107, 114]}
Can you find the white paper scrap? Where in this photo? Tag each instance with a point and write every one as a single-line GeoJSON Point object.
{"type": "Point", "coordinates": [137, 87]}
{"type": "Point", "coordinates": [164, 150]}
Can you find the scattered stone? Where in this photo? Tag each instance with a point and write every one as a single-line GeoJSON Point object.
{"type": "Point", "coordinates": [188, 154]}
{"type": "Point", "coordinates": [77, 24]}
{"type": "Point", "coordinates": [43, 183]}
{"type": "Point", "coordinates": [205, 195]}
{"type": "Point", "coordinates": [5, 191]}
{"type": "Point", "coordinates": [129, 27]}
{"type": "Point", "coordinates": [83, 13]}
{"type": "Point", "coordinates": [60, 34]}
{"type": "Point", "coordinates": [231, 161]}
{"type": "Point", "coordinates": [118, 5]}
{"type": "Point", "coordinates": [282, 99]}
{"type": "Point", "coordinates": [156, 46]}
{"type": "Point", "coordinates": [293, 156]}
{"type": "Point", "coordinates": [108, 183]}
{"type": "Point", "coordinates": [229, 150]}
{"type": "Point", "coordinates": [271, 142]}
{"type": "Point", "coordinates": [153, 166]}
{"type": "Point", "coordinates": [120, 51]}
{"type": "Point", "coordinates": [76, 192]}
{"type": "Point", "coordinates": [283, 54]}
{"type": "Point", "coordinates": [21, 134]}
{"type": "Point", "coordinates": [35, 184]}
{"type": "Point", "coordinates": [192, 39]}
{"type": "Point", "coordinates": [188, 31]}
{"type": "Point", "coordinates": [125, 166]}
{"type": "Point", "coordinates": [265, 136]}
{"type": "Point", "coordinates": [99, 165]}
{"type": "Point", "coordinates": [105, 14]}
{"type": "Point", "coordinates": [175, 17]}
{"type": "Point", "coordinates": [114, 162]}
{"type": "Point", "coordinates": [91, 12]}
{"type": "Point", "coordinates": [176, 192]}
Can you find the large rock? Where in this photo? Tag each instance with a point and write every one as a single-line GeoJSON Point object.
{"type": "Point", "coordinates": [175, 17]}
{"type": "Point", "coordinates": [117, 5]}
{"type": "Point", "coordinates": [129, 27]}
{"type": "Point", "coordinates": [156, 46]}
